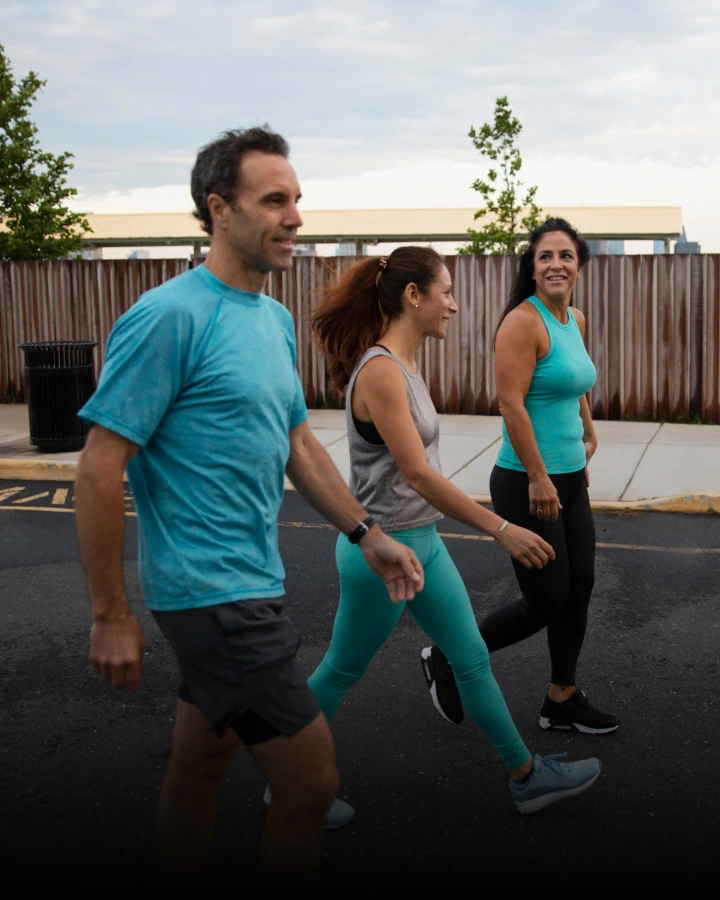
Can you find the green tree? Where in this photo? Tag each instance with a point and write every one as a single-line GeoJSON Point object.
{"type": "Point", "coordinates": [512, 214]}
{"type": "Point", "coordinates": [35, 223]}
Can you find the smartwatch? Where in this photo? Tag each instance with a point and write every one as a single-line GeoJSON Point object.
{"type": "Point", "coordinates": [359, 532]}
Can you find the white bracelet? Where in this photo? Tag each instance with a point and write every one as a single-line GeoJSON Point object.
{"type": "Point", "coordinates": [504, 525]}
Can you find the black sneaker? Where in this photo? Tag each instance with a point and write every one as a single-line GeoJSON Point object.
{"type": "Point", "coordinates": [441, 683]}
{"type": "Point", "coordinates": [576, 714]}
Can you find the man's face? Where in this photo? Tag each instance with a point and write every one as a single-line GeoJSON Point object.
{"type": "Point", "coordinates": [262, 224]}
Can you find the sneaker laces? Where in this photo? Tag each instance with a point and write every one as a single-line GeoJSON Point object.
{"type": "Point", "coordinates": [549, 763]}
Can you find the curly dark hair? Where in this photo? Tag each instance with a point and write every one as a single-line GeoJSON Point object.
{"type": "Point", "coordinates": [217, 167]}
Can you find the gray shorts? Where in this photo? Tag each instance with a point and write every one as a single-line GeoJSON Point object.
{"type": "Point", "coordinates": [239, 667]}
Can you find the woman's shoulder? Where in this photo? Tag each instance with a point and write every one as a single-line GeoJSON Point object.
{"type": "Point", "coordinates": [379, 368]}
{"type": "Point", "coordinates": [523, 319]}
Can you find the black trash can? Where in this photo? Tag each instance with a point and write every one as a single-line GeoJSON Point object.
{"type": "Point", "coordinates": [60, 379]}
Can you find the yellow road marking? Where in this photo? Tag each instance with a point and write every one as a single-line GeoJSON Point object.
{"type": "Point", "coordinates": [649, 548]}
{"type": "Point", "coordinates": [10, 492]}
{"type": "Point", "coordinates": [60, 497]}
{"type": "Point", "coordinates": [56, 509]}
{"type": "Point", "coordinates": [34, 497]}
{"type": "Point", "coordinates": [482, 537]}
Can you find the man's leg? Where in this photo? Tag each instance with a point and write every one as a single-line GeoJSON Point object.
{"type": "Point", "coordinates": [304, 779]}
{"type": "Point", "coordinates": [189, 795]}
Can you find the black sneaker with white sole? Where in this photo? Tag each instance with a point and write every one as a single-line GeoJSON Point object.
{"type": "Point", "coordinates": [576, 714]}
{"type": "Point", "coordinates": [441, 684]}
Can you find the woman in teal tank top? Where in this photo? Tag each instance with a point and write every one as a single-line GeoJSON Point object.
{"type": "Point", "coordinates": [540, 480]}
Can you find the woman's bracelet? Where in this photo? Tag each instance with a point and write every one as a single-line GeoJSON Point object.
{"type": "Point", "coordinates": [504, 525]}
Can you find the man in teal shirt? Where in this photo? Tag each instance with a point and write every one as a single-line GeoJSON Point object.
{"type": "Point", "coordinates": [199, 399]}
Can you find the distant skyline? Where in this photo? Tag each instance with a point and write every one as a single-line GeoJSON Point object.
{"type": "Point", "coordinates": [620, 101]}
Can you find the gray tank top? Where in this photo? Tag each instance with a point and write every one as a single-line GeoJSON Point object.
{"type": "Point", "coordinates": [375, 479]}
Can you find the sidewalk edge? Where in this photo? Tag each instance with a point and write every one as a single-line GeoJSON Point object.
{"type": "Point", "coordinates": [37, 470]}
{"type": "Point", "coordinates": [706, 504]}
{"type": "Point", "coordinates": [699, 503]}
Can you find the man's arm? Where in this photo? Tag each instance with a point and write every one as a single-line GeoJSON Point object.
{"type": "Point", "coordinates": [116, 640]}
{"type": "Point", "coordinates": [315, 477]}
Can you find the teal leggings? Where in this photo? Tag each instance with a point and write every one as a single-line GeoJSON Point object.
{"type": "Point", "coordinates": [366, 618]}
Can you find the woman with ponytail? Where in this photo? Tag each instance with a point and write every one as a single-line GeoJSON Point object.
{"type": "Point", "coordinates": [370, 327]}
{"type": "Point", "coordinates": [540, 480]}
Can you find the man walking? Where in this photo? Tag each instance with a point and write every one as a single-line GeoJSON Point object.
{"type": "Point", "coordinates": [200, 400]}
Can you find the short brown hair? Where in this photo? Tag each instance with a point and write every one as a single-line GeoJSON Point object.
{"type": "Point", "coordinates": [216, 169]}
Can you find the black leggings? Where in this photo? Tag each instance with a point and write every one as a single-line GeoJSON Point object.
{"type": "Point", "coordinates": [557, 596]}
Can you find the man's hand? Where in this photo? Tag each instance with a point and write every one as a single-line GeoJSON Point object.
{"type": "Point", "coordinates": [525, 546]}
{"type": "Point", "coordinates": [116, 651]}
{"type": "Point", "coordinates": [395, 563]}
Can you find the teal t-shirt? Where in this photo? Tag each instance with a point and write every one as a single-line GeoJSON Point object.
{"type": "Point", "coordinates": [202, 377]}
{"type": "Point", "coordinates": [553, 400]}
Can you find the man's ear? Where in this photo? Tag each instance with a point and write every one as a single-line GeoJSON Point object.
{"type": "Point", "coordinates": [218, 209]}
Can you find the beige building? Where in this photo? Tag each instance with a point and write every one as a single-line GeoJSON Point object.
{"type": "Point", "coordinates": [361, 229]}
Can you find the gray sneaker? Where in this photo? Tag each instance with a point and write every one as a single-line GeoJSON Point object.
{"type": "Point", "coordinates": [339, 815]}
{"type": "Point", "coordinates": [552, 780]}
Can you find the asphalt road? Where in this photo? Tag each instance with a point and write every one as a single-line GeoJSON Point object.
{"type": "Point", "coordinates": [81, 765]}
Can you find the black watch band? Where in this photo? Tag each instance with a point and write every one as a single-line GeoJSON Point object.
{"type": "Point", "coordinates": [359, 532]}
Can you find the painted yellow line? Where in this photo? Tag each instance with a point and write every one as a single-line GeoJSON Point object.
{"type": "Point", "coordinates": [34, 497]}
{"type": "Point", "coordinates": [10, 492]}
{"type": "Point", "coordinates": [652, 548]}
{"type": "Point", "coordinates": [649, 548]}
{"type": "Point", "coordinates": [55, 509]}
{"type": "Point", "coordinates": [60, 496]}
{"type": "Point", "coordinates": [658, 549]}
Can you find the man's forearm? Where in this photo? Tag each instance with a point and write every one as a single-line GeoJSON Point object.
{"type": "Point", "coordinates": [316, 478]}
{"type": "Point", "coordinates": [100, 522]}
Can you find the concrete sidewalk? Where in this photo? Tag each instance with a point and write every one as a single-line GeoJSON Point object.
{"type": "Point", "coordinates": [638, 464]}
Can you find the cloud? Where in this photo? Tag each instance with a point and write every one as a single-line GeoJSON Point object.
{"type": "Point", "coordinates": [134, 88]}
{"type": "Point", "coordinates": [273, 25]}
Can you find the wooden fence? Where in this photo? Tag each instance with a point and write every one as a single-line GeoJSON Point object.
{"type": "Point", "coordinates": [653, 326]}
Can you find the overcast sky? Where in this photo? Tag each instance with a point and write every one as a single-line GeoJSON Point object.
{"type": "Point", "coordinates": [619, 99]}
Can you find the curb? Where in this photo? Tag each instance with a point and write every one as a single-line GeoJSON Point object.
{"type": "Point", "coordinates": [696, 503]}
{"type": "Point", "coordinates": [679, 503]}
{"type": "Point", "coordinates": [37, 470]}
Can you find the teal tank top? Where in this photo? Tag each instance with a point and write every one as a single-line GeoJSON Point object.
{"type": "Point", "coordinates": [553, 400]}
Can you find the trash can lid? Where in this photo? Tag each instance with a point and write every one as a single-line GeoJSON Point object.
{"type": "Point", "coordinates": [49, 345]}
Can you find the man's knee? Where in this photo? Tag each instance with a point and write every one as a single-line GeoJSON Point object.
{"type": "Point", "coordinates": [310, 792]}
{"type": "Point", "coordinates": [209, 763]}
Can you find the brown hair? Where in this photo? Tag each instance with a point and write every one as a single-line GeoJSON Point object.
{"type": "Point", "coordinates": [356, 310]}
{"type": "Point", "coordinates": [217, 167]}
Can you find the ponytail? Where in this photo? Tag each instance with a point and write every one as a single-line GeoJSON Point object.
{"type": "Point", "coordinates": [357, 309]}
